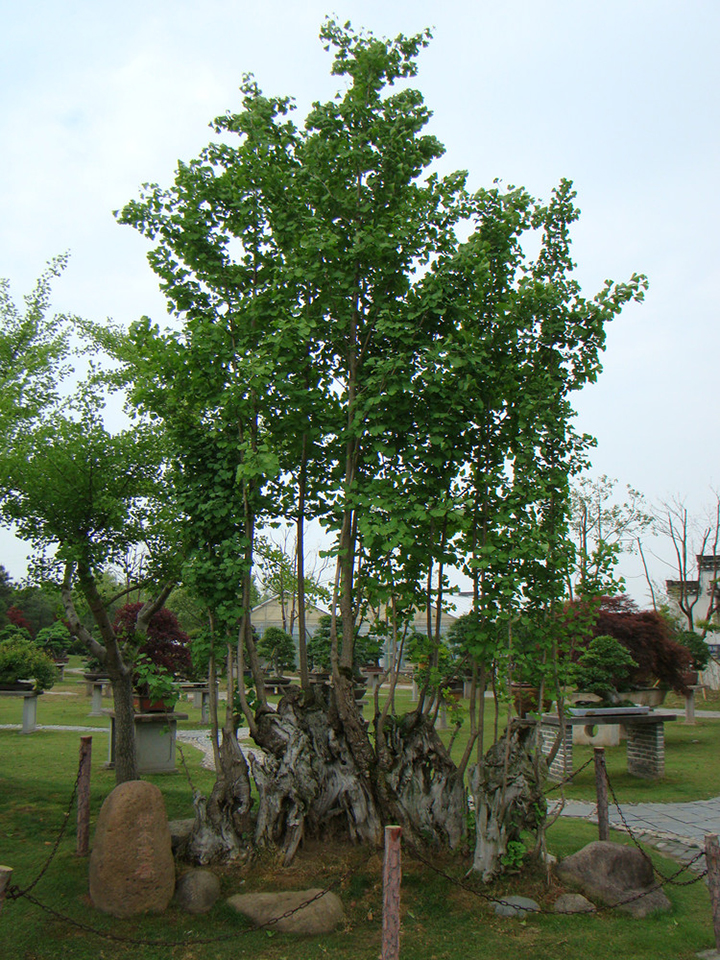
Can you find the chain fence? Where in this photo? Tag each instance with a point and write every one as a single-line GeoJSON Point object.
{"type": "Point", "coordinates": [15, 893]}
{"type": "Point", "coordinates": [186, 941]}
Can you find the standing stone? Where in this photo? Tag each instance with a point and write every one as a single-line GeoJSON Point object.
{"type": "Point", "coordinates": [131, 866]}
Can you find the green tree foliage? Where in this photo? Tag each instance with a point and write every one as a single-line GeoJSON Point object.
{"type": "Point", "coordinates": [33, 353]}
{"type": "Point", "coordinates": [278, 649]}
{"type": "Point", "coordinates": [80, 494]}
{"type": "Point", "coordinates": [604, 668]}
{"type": "Point", "coordinates": [22, 659]}
{"type": "Point", "coordinates": [55, 639]}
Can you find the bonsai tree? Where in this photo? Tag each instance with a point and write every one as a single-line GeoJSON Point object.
{"type": "Point", "coordinates": [278, 648]}
{"type": "Point", "coordinates": [366, 650]}
{"type": "Point", "coordinates": [13, 632]}
{"type": "Point", "coordinates": [604, 669]}
{"type": "Point", "coordinates": [22, 659]}
{"type": "Point", "coordinates": [155, 682]}
{"type": "Point", "coordinates": [55, 639]}
{"type": "Point", "coordinates": [646, 636]}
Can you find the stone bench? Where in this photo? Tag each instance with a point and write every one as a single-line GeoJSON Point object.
{"type": "Point", "coordinates": [645, 739]}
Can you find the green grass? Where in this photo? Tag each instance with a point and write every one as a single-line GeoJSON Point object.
{"type": "Point", "coordinates": [440, 919]}
{"type": "Point", "coordinates": [688, 775]}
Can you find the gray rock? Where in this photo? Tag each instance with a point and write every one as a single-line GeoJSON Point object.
{"type": "Point", "coordinates": [179, 832]}
{"type": "Point", "coordinates": [616, 876]}
{"type": "Point", "coordinates": [573, 903]}
{"type": "Point", "coordinates": [197, 890]}
{"type": "Point", "coordinates": [320, 916]}
{"type": "Point", "coordinates": [514, 906]}
{"type": "Point", "coordinates": [131, 866]}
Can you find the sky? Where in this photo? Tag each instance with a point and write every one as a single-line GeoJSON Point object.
{"type": "Point", "coordinates": [620, 96]}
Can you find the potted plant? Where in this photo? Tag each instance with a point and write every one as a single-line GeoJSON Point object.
{"type": "Point", "coordinates": [23, 665]}
{"type": "Point", "coordinates": [154, 685]}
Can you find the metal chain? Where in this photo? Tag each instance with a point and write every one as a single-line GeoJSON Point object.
{"type": "Point", "coordinates": [497, 900]}
{"type": "Point", "coordinates": [14, 892]}
{"type": "Point", "coordinates": [200, 941]}
{"type": "Point", "coordinates": [671, 879]}
{"type": "Point", "coordinates": [561, 783]}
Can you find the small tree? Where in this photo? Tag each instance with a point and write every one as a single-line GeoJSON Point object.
{"type": "Point", "coordinates": [164, 642]}
{"type": "Point", "coordinates": [646, 635]}
{"type": "Point", "coordinates": [56, 639]}
{"type": "Point", "coordinates": [278, 648]}
{"type": "Point", "coordinates": [72, 487]}
{"type": "Point", "coordinates": [22, 659]}
{"type": "Point", "coordinates": [604, 668]}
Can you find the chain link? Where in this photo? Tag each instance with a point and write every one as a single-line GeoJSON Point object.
{"type": "Point", "coordinates": [14, 892]}
{"type": "Point", "coordinates": [671, 879]}
{"type": "Point", "coordinates": [199, 941]}
{"type": "Point", "coordinates": [561, 783]}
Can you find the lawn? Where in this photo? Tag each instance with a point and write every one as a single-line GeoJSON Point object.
{"type": "Point", "coordinates": [441, 918]}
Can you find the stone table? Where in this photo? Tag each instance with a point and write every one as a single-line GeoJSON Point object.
{"type": "Point", "coordinates": [645, 738]}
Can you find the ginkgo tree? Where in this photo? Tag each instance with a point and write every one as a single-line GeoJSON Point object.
{"type": "Point", "coordinates": [363, 342]}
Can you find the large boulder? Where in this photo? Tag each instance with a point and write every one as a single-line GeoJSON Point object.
{"type": "Point", "coordinates": [131, 866]}
{"type": "Point", "coordinates": [321, 916]}
{"type": "Point", "coordinates": [616, 876]}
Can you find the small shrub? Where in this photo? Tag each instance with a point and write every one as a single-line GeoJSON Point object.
{"type": "Point", "coordinates": [22, 659]}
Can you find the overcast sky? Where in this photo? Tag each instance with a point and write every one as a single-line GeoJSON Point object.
{"type": "Point", "coordinates": [621, 96]}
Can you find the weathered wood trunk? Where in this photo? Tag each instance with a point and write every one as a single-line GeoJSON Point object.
{"type": "Point", "coordinates": [507, 786]}
{"type": "Point", "coordinates": [311, 784]}
{"type": "Point", "coordinates": [308, 780]}
{"type": "Point", "coordinates": [426, 788]}
{"type": "Point", "coordinates": [223, 822]}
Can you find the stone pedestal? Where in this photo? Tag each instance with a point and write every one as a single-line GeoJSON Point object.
{"type": "Point", "coordinates": [155, 735]}
{"type": "Point", "coordinates": [646, 750]}
{"type": "Point", "coordinates": [29, 713]}
{"type": "Point", "coordinates": [100, 688]}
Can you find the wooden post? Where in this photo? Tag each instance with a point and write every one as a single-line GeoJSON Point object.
{"type": "Point", "coordinates": [392, 873]}
{"type": "Point", "coordinates": [712, 861]}
{"type": "Point", "coordinates": [601, 790]}
{"type": "Point", "coordinates": [83, 797]}
{"type": "Point", "coordinates": [5, 875]}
